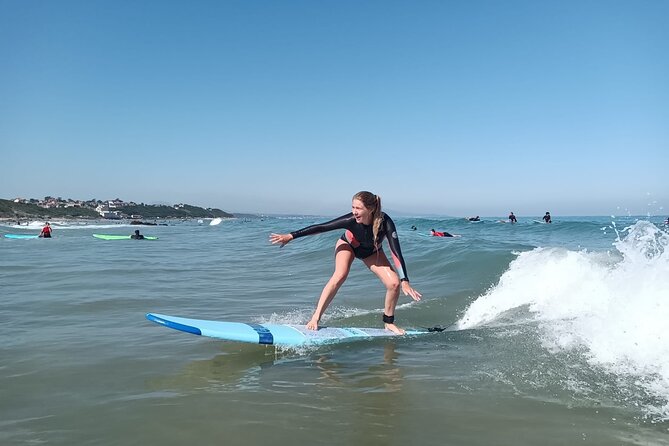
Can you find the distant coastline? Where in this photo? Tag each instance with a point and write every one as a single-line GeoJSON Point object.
{"type": "Point", "coordinates": [51, 208]}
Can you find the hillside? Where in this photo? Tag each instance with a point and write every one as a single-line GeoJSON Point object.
{"type": "Point", "coordinates": [185, 211]}
{"type": "Point", "coordinates": [10, 209]}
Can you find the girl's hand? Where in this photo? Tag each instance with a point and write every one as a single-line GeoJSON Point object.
{"type": "Point", "coordinates": [280, 239]}
{"type": "Point", "coordinates": [408, 290]}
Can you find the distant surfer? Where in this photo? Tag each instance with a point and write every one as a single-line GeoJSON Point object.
{"type": "Point", "coordinates": [414, 228]}
{"type": "Point", "coordinates": [547, 218]}
{"type": "Point", "coordinates": [366, 228]}
{"type": "Point", "coordinates": [512, 218]}
{"type": "Point", "coordinates": [441, 234]}
{"type": "Point", "coordinates": [46, 231]}
{"type": "Point", "coordinates": [477, 218]}
{"type": "Point", "coordinates": [137, 235]}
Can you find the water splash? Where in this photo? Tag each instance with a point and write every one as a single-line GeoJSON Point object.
{"type": "Point", "coordinates": [612, 306]}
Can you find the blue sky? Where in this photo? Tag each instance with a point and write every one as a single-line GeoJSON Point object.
{"type": "Point", "coordinates": [442, 107]}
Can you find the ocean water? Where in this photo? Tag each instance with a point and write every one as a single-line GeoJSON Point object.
{"type": "Point", "coordinates": [557, 335]}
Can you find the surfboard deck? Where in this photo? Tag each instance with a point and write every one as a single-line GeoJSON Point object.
{"type": "Point", "coordinates": [120, 237]}
{"type": "Point", "coordinates": [21, 236]}
{"type": "Point", "coordinates": [273, 334]}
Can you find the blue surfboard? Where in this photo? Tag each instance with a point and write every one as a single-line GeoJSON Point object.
{"type": "Point", "coordinates": [21, 236]}
{"type": "Point", "coordinates": [273, 334]}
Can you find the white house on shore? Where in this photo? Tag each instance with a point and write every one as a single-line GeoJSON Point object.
{"type": "Point", "coordinates": [107, 213]}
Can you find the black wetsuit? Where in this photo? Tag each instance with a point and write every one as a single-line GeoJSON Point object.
{"type": "Point", "coordinates": [512, 218]}
{"type": "Point", "coordinates": [137, 237]}
{"type": "Point", "coordinates": [361, 238]}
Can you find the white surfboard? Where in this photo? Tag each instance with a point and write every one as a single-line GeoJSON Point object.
{"type": "Point", "coordinates": [273, 334]}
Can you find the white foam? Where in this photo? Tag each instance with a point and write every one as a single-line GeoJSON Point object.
{"type": "Point", "coordinates": [29, 225]}
{"type": "Point", "coordinates": [614, 305]}
{"type": "Point", "coordinates": [37, 225]}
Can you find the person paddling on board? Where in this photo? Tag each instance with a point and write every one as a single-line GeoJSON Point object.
{"type": "Point", "coordinates": [366, 228]}
{"type": "Point", "coordinates": [137, 235]}
{"type": "Point", "coordinates": [477, 218]}
{"type": "Point", "coordinates": [46, 231]}
{"type": "Point", "coordinates": [547, 217]}
{"type": "Point", "coordinates": [440, 233]}
{"type": "Point", "coordinates": [512, 218]}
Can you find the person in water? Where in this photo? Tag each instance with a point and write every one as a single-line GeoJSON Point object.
{"type": "Point", "coordinates": [512, 218]}
{"type": "Point", "coordinates": [477, 218]}
{"type": "Point", "coordinates": [366, 226]}
{"type": "Point", "coordinates": [440, 233]}
{"type": "Point", "coordinates": [547, 217]}
{"type": "Point", "coordinates": [137, 235]}
{"type": "Point", "coordinates": [46, 231]}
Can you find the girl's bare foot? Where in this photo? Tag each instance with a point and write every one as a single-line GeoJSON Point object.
{"type": "Point", "coordinates": [312, 325]}
{"type": "Point", "coordinates": [395, 329]}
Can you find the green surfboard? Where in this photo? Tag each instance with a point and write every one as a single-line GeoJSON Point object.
{"type": "Point", "coordinates": [120, 237]}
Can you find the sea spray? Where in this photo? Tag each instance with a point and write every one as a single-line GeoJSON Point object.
{"type": "Point", "coordinates": [611, 306]}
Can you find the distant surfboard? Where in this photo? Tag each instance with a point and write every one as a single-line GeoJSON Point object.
{"type": "Point", "coordinates": [273, 334]}
{"type": "Point", "coordinates": [21, 236]}
{"type": "Point", "coordinates": [215, 221]}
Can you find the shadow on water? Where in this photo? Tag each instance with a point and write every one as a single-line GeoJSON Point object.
{"type": "Point", "coordinates": [246, 367]}
{"type": "Point", "coordinates": [342, 389]}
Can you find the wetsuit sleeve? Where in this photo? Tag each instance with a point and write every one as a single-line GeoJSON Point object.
{"type": "Point", "coordinates": [338, 223]}
{"type": "Point", "coordinates": [394, 242]}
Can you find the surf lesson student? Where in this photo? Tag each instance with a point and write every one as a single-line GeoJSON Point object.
{"type": "Point", "coordinates": [137, 235]}
{"type": "Point", "coordinates": [440, 233]}
{"type": "Point", "coordinates": [46, 231]}
{"type": "Point", "coordinates": [366, 226]}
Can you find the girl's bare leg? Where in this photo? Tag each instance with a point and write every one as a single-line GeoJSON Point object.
{"type": "Point", "coordinates": [378, 263]}
{"type": "Point", "coordinates": [343, 259]}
